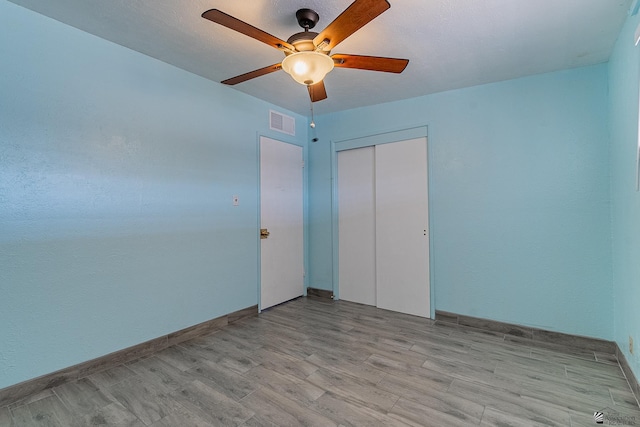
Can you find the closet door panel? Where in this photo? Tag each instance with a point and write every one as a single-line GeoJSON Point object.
{"type": "Point", "coordinates": [356, 225]}
{"type": "Point", "coordinates": [401, 218]}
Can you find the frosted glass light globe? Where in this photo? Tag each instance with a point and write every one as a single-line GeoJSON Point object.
{"type": "Point", "coordinates": [307, 68]}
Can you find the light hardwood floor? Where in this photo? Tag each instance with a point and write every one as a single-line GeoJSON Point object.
{"type": "Point", "coordinates": [315, 363]}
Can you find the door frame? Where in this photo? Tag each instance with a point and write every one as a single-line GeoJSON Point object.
{"type": "Point", "coordinates": [305, 212]}
{"type": "Point", "coordinates": [367, 140]}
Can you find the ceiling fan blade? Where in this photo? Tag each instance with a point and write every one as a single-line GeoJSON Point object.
{"type": "Point", "coordinates": [219, 17]}
{"type": "Point", "coordinates": [252, 75]}
{"type": "Point", "coordinates": [317, 92]}
{"type": "Point", "coordinates": [351, 20]}
{"type": "Point", "coordinates": [373, 63]}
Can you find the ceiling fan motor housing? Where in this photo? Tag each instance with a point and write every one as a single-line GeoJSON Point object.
{"type": "Point", "coordinates": [303, 41]}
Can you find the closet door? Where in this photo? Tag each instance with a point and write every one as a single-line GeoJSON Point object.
{"type": "Point", "coordinates": [401, 216]}
{"type": "Point", "coordinates": [356, 226]}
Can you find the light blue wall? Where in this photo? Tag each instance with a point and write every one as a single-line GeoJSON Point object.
{"type": "Point", "coordinates": [116, 178]}
{"type": "Point", "coordinates": [624, 73]}
{"type": "Point", "coordinates": [519, 197]}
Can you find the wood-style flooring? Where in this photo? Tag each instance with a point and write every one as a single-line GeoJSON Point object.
{"type": "Point", "coordinates": [314, 363]}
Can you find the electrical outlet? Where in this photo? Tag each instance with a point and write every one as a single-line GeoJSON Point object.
{"type": "Point", "coordinates": [630, 344]}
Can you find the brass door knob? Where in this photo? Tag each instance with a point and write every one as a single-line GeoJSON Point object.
{"type": "Point", "coordinates": [264, 233]}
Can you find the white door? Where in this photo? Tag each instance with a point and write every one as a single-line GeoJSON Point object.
{"type": "Point", "coordinates": [281, 214]}
{"type": "Point", "coordinates": [357, 226]}
{"type": "Point", "coordinates": [402, 241]}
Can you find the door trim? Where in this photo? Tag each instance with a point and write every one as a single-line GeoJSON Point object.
{"type": "Point", "coordinates": [366, 140]}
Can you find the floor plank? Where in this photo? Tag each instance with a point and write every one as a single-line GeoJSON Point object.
{"type": "Point", "coordinates": [5, 417]}
{"type": "Point", "coordinates": [272, 407]}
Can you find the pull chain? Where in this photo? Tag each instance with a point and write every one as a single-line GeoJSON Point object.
{"type": "Point", "coordinates": [312, 124]}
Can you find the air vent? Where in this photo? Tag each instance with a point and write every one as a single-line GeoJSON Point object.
{"type": "Point", "coordinates": [282, 123]}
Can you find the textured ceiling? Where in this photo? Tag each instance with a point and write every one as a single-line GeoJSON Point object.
{"type": "Point", "coordinates": [450, 43]}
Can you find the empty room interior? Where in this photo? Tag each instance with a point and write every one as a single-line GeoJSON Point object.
{"type": "Point", "coordinates": [442, 228]}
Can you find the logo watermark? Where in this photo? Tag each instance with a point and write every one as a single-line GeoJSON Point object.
{"type": "Point", "coordinates": [608, 416]}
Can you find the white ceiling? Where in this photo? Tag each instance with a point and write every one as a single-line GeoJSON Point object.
{"type": "Point", "coordinates": [450, 43]}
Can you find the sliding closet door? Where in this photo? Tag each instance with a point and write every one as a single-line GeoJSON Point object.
{"type": "Point", "coordinates": [383, 242]}
{"type": "Point", "coordinates": [402, 242]}
{"type": "Point", "coordinates": [356, 225]}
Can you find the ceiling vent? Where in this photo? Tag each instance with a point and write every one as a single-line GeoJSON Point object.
{"type": "Point", "coordinates": [282, 123]}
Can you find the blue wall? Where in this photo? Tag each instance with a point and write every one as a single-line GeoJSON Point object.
{"type": "Point", "coordinates": [624, 74]}
{"type": "Point", "coordinates": [519, 197]}
{"type": "Point", "coordinates": [117, 173]}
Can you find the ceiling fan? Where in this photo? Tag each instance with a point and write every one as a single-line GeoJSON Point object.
{"type": "Point", "coordinates": [307, 57]}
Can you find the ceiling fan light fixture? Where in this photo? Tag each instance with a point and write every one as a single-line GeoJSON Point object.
{"type": "Point", "coordinates": [307, 68]}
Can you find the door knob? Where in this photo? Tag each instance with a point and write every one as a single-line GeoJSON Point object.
{"type": "Point", "coordinates": [264, 233]}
